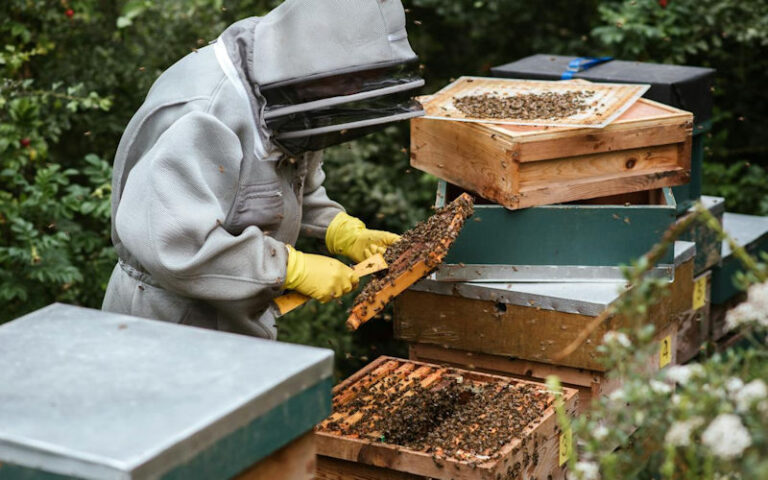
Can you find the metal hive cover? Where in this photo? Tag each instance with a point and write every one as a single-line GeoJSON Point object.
{"type": "Point", "coordinates": [91, 394]}
{"type": "Point", "coordinates": [569, 297]}
{"type": "Point", "coordinates": [745, 230]}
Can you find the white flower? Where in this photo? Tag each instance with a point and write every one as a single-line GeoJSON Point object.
{"type": "Point", "coordinates": [726, 436]}
{"type": "Point", "coordinates": [733, 385]}
{"type": "Point", "coordinates": [587, 470]}
{"type": "Point", "coordinates": [600, 432]}
{"type": "Point", "coordinates": [682, 373]}
{"type": "Point", "coordinates": [612, 338]}
{"type": "Point", "coordinates": [679, 434]}
{"type": "Point", "coordinates": [617, 396]}
{"type": "Point", "coordinates": [749, 394]}
{"type": "Point", "coordinates": [660, 387]}
{"type": "Point", "coordinates": [755, 309]}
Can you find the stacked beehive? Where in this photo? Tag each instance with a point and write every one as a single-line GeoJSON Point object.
{"type": "Point", "coordinates": [559, 210]}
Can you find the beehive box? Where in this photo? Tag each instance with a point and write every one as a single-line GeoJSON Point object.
{"type": "Point", "coordinates": [680, 86]}
{"type": "Point", "coordinates": [412, 420]}
{"type": "Point", "coordinates": [94, 395]}
{"type": "Point", "coordinates": [585, 241]}
{"type": "Point", "coordinates": [708, 245]}
{"type": "Point", "coordinates": [647, 147]}
{"type": "Point", "coordinates": [693, 326]}
{"type": "Point", "coordinates": [749, 232]}
{"type": "Point", "coordinates": [529, 321]}
{"type": "Point", "coordinates": [676, 85]}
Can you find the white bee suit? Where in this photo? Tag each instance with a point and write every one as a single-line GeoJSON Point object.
{"type": "Point", "coordinates": [204, 197]}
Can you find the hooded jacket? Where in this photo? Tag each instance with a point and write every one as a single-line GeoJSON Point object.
{"type": "Point", "coordinates": [203, 201]}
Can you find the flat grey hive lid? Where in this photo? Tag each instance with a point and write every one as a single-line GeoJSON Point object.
{"type": "Point", "coordinates": [97, 395]}
{"type": "Point", "coordinates": [745, 230]}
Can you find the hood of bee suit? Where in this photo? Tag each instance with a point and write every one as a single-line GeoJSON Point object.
{"type": "Point", "coordinates": [321, 72]}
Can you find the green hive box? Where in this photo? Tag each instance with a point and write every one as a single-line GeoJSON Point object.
{"type": "Point", "coordinates": [750, 232]}
{"type": "Point", "coordinates": [708, 245]}
{"type": "Point", "coordinates": [577, 242]}
{"type": "Point", "coordinates": [686, 195]}
{"type": "Point", "coordinates": [93, 395]}
{"type": "Point", "coordinates": [681, 86]}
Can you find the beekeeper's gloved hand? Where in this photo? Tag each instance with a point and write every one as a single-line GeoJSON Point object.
{"type": "Point", "coordinates": [317, 276]}
{"type": "Point", "coordinates": [348, 236]}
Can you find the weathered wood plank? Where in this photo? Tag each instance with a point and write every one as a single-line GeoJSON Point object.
{"type": "Point", "coordinates": [590, 384]}
{"type": "Point", "coordinates": [487, 158]}
{"type": "Point", "coordinates": [295, 461]}
{"type": "Point", "coordinates": [329, 468]}
{"type": "Point", "coordinates": [693, 331]}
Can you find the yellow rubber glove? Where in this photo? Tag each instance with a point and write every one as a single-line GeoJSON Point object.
{"type": "Point", "coordinates": [317, 276]}
{"type": "Point", "coordinates": [348, 236]}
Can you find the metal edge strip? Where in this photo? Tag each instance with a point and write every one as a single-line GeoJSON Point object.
{"type": "Point", "coordinates": [497, 293]}
{"type": "Point", "coordinates": [540, 273]}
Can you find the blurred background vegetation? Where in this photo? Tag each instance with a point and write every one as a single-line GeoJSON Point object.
{"type": "Point", "coordinates": [75, 71]}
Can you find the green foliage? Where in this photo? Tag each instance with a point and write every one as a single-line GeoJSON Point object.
{"type": "Point", "coordinates": [699, 421]}
{"type": "Point", "coordinates": [54, 209]}
{"type": "Point", "coordinates": [744, 186]}
{"type": "Point", "coordinates": [728, 35]}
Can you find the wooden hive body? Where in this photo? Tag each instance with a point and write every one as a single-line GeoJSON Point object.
{"type": "Point", "coordinates": [535, 455]}
{"type": "Point", "coordinates": [648, 146]}
{"type": "Point", "coordinates": [531, 322]}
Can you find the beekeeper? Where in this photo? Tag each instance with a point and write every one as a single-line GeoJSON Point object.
{"type": "Point", "coordinates": [220, 170]}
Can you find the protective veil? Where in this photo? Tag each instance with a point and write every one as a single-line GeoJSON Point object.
{"type": "Point", "coordinates": [218, 170]}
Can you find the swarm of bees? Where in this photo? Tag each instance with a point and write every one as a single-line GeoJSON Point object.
{"type": "Point", "coordinates": [454, 417]}
{"type": "Point", "coordinates": [528, 106]}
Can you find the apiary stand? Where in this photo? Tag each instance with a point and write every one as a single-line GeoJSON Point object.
{"type": "Point", "coordinates": [93, 395]}
{"type": "Point", "coordinates": [537, 455]}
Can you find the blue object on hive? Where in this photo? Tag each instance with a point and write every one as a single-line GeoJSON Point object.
{"type": "Point", "coordinates": [581, 64]}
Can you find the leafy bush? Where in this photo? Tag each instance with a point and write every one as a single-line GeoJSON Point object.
{"type": "Point", "coordinates": [698, 421]}
{"type": "Point", "coordinates": [730, 36]}
{"type": "Point", "coordinates": [54, 208]}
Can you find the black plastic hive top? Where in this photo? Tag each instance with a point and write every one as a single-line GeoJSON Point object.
{"type": "Point", "coordinates": [688, 88]}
